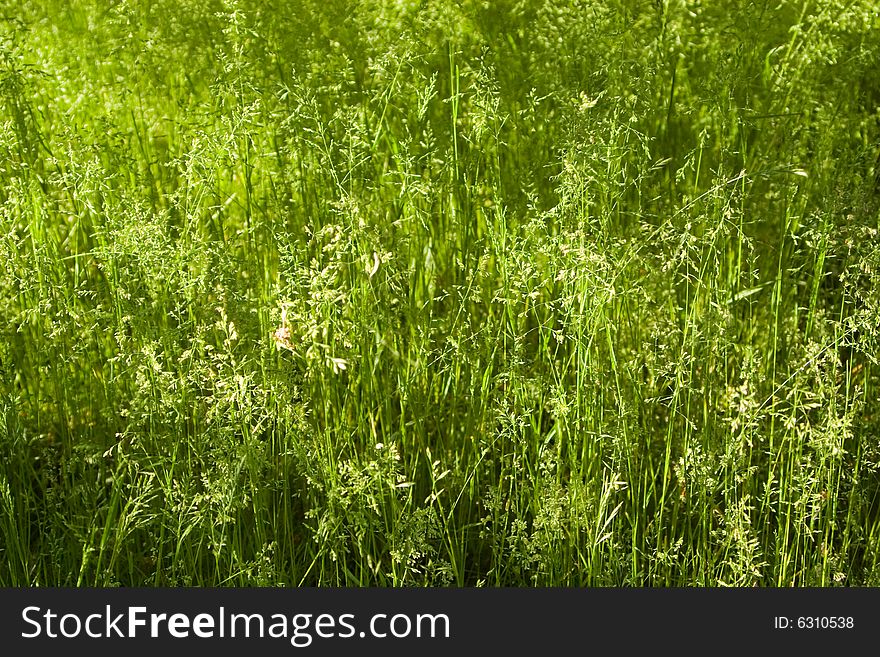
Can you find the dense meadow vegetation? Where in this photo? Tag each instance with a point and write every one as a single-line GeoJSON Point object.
{"type": "Point", "coordinates": [441, 292]}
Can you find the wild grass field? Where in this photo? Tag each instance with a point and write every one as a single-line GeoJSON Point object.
{"type": "Point", "coordinates": [440, 292]}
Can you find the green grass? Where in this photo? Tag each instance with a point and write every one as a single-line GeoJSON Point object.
{"type": "Point", "coordinates": [440, 293]}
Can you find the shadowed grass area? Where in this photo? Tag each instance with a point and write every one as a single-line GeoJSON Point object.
{"type": "Point", "coordinates": [439, 293]}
